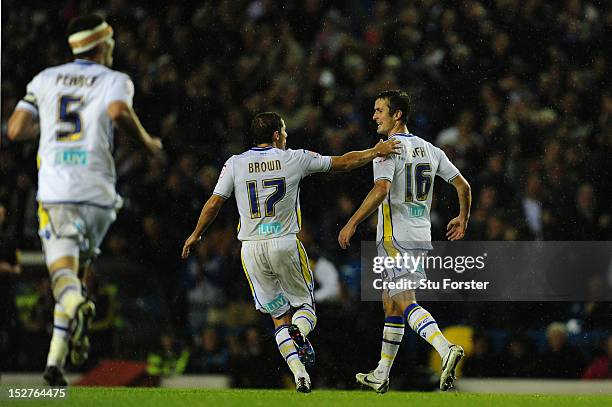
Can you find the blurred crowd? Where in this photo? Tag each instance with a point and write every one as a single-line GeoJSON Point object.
{"type": "Point", "coordinates": [516, 92]}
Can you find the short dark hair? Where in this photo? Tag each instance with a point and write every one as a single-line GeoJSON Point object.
{"type": "Point", "coordinates": [81, 23]}
{"type": "Point", "coordinates": [264, 125]}
{"type": "Point", "coordinates": [398, 100]}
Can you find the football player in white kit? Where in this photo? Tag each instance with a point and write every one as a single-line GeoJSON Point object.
{"type": "Point", "coordinates": [75, 106]}
{"type": "Point", "coordinates": [403, 185]}
{"type": "Point", "coordinates": [266, 181]}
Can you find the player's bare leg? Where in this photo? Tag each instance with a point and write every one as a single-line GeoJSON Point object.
{"type": "Point", "coordinates": [288, 351]}
{"type": "Point", "coordinates": [421, 321]}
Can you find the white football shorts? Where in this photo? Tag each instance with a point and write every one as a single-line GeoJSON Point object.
{"type": "Point", "coordinates": [73, 230]}
{"type": "Point", "coordinates": [278, 273]}
{"type": "Point", "coordinates": [411, 266]}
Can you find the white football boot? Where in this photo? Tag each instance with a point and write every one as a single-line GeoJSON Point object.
{"type": "Point", "coordinates": [449, 364]}
{"type": "Point", "coordinates": [368, 379]}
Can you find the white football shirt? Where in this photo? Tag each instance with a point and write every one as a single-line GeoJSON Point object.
{"type": "Point", "coordinates": [266, 181]}
{"type": "Point", "coordinates": [76, 135]}
{"type": "Point", "coordinates": [403, 217]}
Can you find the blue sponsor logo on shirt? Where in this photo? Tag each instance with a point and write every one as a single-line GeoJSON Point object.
{"type": "Point", "coordinates": [416, 211]}
{"type": "Point", "coordinates": [71, 157]}
{"type": "Point", "coordinates": [275, 304]}
{"type": "Point", "coordinates": [273, 228]}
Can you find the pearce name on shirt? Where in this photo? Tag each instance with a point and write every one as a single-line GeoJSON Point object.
{"type": "Point", "coordinates": [75, 80]}
{"type": "Point", "coordinates": [273, 165]}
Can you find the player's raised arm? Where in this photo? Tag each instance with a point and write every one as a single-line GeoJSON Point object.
{"type": "Point", "coordinates": [207, 216]}
{"type": "Point", "coordinates": [455, 230]}
{"type": "Point", "coordinates": [372, 201]}
{"type": "Point", "coordinates": [356, 159]}
{"type": "Point", "coordinates": [125, 119]}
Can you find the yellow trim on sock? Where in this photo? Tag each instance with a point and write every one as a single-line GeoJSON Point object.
{"type": "Point", "coordinates": [384, 355]}
{"type": "Point", "coordinates": [432, 337]}
{"type": "Point", "coordinates": [61, 314]}
{"type": "Point", "coordinates": [422, 318]}
{"type": "Point", "coordinates": [292, 349]}
{"type": "Point", "coordinates": [307, 313]}
{"type": "Point", "coordinates": [62, 283]}
{"type": "Point", "coordinates": [394, 325]}
{"type": "Point", "coordinates": [410, 314]}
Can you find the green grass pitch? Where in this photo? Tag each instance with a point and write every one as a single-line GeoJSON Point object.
{"type": "Point", "coordinates": [153, 397]}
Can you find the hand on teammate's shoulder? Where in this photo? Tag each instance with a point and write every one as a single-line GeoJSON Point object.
{"type": "Point", "coordinates": [386, 148]}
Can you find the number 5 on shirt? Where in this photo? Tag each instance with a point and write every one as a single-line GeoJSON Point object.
{"type": "Point", "coordinates": [69, 107]}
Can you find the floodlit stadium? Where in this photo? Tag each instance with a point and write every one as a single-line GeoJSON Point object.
{"type": "Point", "coordinates": [312, 201]}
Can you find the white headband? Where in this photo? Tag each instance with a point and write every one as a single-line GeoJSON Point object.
{"type": "Point", "coordinates": [86, 40]}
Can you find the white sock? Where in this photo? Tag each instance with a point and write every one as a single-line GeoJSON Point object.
{"type": "Point", "coordinates": [59, 341]}
{"type": "Point", "coordinates": [66, 288]}
{"type": "Point", "coordinates": [393, 332]}
{"type": "Point", "coordinates": [305, 319]}
{"type": "Point", "coordinates": [286, 347]}
{"type": "Point", "coordinates": [426, 327]}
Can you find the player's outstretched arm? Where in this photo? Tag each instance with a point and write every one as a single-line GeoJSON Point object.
{"type": "Point", "coordinates": [356, 159]}
{"type": "Point", "coordinates": [372, 201]}
{"type": "Point", "coordinates": [125, 119]}
{"type": "Point", "coordinates": [207, 216]}
{"type": "Point", "coordinates": [455, 230]}
{"type": "Point", "coordinates": [21, 125]}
